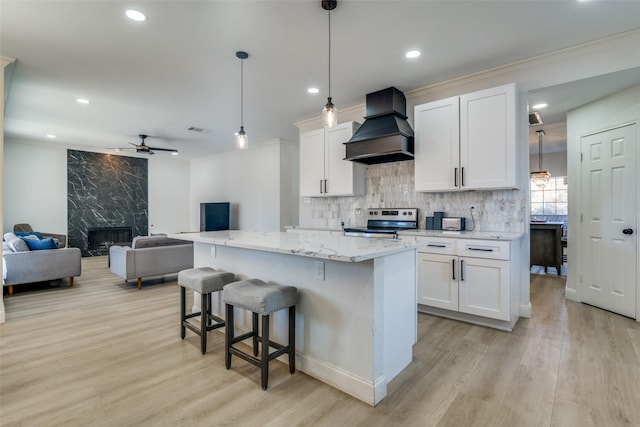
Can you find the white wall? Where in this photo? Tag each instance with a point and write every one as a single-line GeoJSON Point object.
{"type": "Point", "coordinates": [555, 163]}
{"type": "Point", "coordinates": [168, 195]}
{"type": "Point", "coordinates": [35, 189]}
{"type": "Point", "coordinates": [35, 186]}
{"type": "Point", "coordinates": [254, 181]}
{"type": "Point", "coordinates": [619, 108]}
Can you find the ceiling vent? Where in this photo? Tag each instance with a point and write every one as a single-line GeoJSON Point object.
{"type": "Point", "coordinates": [535, 119]}
{"type": "Point", "coordinates": [197, 129]}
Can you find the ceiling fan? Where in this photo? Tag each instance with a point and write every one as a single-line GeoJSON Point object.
{"type": "Point", "coordinates": [144, 148]}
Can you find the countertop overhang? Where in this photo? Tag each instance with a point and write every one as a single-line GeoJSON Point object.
{"type": "Point", "coordinates": [321, 246]}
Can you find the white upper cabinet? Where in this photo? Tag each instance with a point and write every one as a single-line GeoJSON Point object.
{"type": "Point", "coordinates": [467, 142]}
{"type": "Point", "coordinates": [323, 170]}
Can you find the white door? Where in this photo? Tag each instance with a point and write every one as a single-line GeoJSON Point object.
{"type": "Point", "coordinates": [488, 138]}
{"type": "Point", "coordinates": [484, 288]}
{"type": "Point", "coordinates": [339, 172]}
{"type": "Point", "coordinates": [608, 257]}
{"type": "Point", "coordinates": [437, 145]}
{"type": "Point", "coordinates": [312, 163]}
{"type": "Point", "coordinates": [437, 281]}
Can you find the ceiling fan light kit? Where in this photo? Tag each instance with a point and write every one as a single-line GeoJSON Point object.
{"type": "Point", "coordinates": [329, 112]}
{"type": "Point", "coordinates": [242, 141]}
{"type": "Point", "coordinates": [541, 177]}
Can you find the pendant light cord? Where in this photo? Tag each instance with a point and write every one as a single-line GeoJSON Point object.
{"type": "Point", "coordinates": [242, 93]}
{"type": "Point", "coordinates": [329, 53]}
{"type": "Point", "coordinates": [540, 133]}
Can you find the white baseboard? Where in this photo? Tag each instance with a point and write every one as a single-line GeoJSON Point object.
{"type": "Point", "coordinates": [469, 318]}
{"type": "Point", "coordinates": [525, 310]}
{"type": "Point", "coordinates": [364, 390]}
{"type": "Point", "coordinates": [571, 294]}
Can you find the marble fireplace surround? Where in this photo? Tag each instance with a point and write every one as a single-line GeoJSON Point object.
{"type": "Point", "coordinates": [105, 190]}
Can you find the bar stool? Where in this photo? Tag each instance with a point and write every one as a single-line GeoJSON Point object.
{"type": "Point", "coordinates": [203, 280]}
{"type": "Point", "coordinates": [260, 298]}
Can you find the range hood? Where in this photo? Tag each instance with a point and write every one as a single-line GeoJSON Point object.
{"type": "Point", "coordinates": [385, 136]}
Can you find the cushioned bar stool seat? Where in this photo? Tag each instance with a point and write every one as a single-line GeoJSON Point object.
{"type": "Point", "coordinates": [204, 280]}
{"type": "Point", "coordinates": [260, 298]}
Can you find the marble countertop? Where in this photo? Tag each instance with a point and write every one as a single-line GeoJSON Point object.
{"type": "Point", "coordinates": [322, 246]}
{"type": "Point", "coordinates": [484, 235]}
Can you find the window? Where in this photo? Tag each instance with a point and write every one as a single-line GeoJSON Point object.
{"type": "Point", "coordinates": [550, 200]}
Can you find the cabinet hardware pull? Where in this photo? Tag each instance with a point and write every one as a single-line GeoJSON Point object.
{"type": "Point", "coordinates": [453, 268]}
{"type": "Point", "coordinates": [436, 246]}
{"type": "Point", "coordinates": [455, 177]}
{"type": "Point", "coordinates": [462, 176]}
{"type": "Point", "coordinates": [481, 249]}
{"type": "Point", "coordinates": [325, 186]}
{"type": "Point", "coordinates": [320, 186]}
{"type": "Point", "coordinates": [462, 270]}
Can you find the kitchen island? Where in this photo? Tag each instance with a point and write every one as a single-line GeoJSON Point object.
{"type": "Point", "coordinates": [356, 319]}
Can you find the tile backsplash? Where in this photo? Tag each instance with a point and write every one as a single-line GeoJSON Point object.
{"type": "Point", "coordinates": [390, 185]}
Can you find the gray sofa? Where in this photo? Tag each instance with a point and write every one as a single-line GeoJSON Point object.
{"type": "Point", "coordinates": [150, 256]}
{"type": "Point", "coordinates": [29, 266]}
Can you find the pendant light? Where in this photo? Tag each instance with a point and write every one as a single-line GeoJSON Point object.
{"type": "Point", "coordinates": [541, 177]}
{"type": "Point", "coordinates": [329, 112]}
{"type": "Point", "coordinates": [242, 141]}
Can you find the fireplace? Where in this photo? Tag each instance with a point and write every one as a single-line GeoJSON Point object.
{"type": "Point", "coordinates": [102, 237]}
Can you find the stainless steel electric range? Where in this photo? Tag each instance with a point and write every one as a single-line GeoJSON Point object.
{"type": "Point", "coordinates": [385, 223]}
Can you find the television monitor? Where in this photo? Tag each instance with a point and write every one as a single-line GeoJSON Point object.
{"type": "Point", "coordinates": [214, 216]}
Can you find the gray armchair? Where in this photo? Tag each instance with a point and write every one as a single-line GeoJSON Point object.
{"type": "Point", "coordinates": [62, 238]}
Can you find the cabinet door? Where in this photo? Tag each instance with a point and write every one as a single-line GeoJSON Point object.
{"type": "Point", "coordinates": [312, 163]}
{"type": "Point", "coordinates": [437, 145]}
{"type": "Point", "coordinates": [437, 281]}
{"type": "Point", "coordinates": [488, 138]}
{"type": "Point", "coordinates": [484, 287]}
{"type": "Point", "coordinates": [341, 175]}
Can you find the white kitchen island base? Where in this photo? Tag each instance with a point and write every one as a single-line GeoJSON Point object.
{"type": "Point", "coordinates": [355, 321]}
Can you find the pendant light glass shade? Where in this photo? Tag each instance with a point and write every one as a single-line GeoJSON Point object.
{"type": "Point", "coordinates": [541, 177]}
{"type": "Point", "coordinates": [329, 112]}
{"type": "Point", "coordinates": [242, 141]}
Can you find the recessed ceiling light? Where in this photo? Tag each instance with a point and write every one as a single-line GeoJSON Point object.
{"type": "Point", "coordinates": [174, 153]}
{"type": "Point", "coordinates": [50, 135]}
{"type": "Point", "coordinates": [313, 90]}
{"type": "Point", "coordinates": [117, 150]}
{"type": "Point", "coordinates": [538, 106]}
{"type": "Point", "coordinates": [135, 15]}
{"type": "Point", "coordinates": [412, 54]}
{"type": "Point", "coordinates": [83, 101]}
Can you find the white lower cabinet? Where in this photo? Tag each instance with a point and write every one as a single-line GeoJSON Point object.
{"type": "Point", "coordinates": [460, 277]}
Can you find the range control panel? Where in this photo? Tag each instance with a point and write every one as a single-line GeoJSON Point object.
{"type": "Point", "coordinates": [393, 214]}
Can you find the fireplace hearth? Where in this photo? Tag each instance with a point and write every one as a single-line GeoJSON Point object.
{"type": "Point", "coordinates": [100, 238]}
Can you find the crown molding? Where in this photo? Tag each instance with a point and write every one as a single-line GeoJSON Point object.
{"type": "Point", "coordinates": [6, 60]}
{"type": "Point", "coordinates": [584, 49]}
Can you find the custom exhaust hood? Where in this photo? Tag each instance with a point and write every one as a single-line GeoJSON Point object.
{"type": "Point", "coordinates": [385, 136]}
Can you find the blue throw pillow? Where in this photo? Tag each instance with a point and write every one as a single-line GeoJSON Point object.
{"type": "Point", "coordinates": [38, 245]}
{"type": "Point", "coordinates": [28, 233]}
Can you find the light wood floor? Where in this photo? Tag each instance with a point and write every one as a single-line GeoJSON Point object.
{"type": "Point", "coordinates": [104, 353]}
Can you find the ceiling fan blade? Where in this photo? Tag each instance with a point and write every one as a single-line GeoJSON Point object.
{"type": "Point", "coordinates": [173, 150]}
